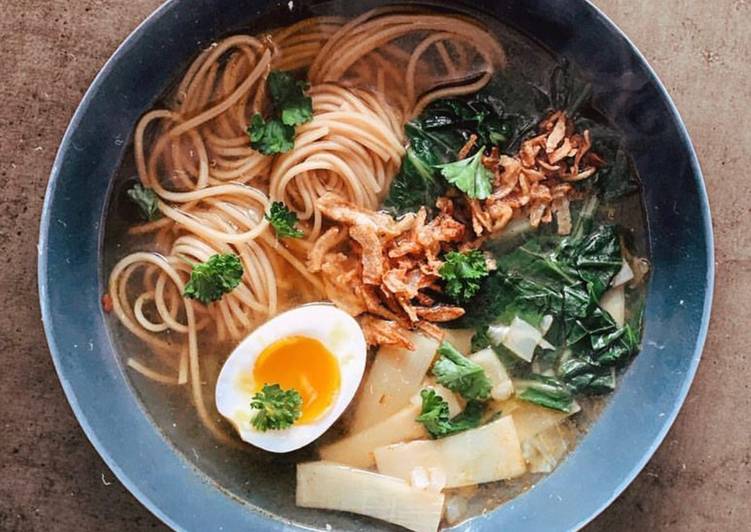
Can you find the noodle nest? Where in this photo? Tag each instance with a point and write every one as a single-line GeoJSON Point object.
{"type": "Point", "coordinates": [368, 76]}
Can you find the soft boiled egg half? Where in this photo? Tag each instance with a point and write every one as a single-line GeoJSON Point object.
{"type": "Point", "coordinates": [317, 350]}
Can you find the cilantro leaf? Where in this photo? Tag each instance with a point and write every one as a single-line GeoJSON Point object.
{"type": "Point", "coordinates": [288, 95]}
{"type": "Point", "coordinates": [461, 375]}
{"type": "Point", "coordinates": [469, 175]}
{"type": "Point", "coordinates": [146, 200]}
{"type": "Point", "coordinates": [283, 220]}
{"type": "Point", "coordinates": [210, 280]}
{"type": "Point", "coordinates": [278, 408]}
{"type": "Point", "coordinates": [462, 273]}
{"type": "Point", "coordinates": [270, 137]}
{"type": "Point", "coordinates": [435, 415]}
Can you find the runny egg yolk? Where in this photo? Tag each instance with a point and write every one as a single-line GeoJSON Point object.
{"type": "Point", "coordinates": [304, 364]}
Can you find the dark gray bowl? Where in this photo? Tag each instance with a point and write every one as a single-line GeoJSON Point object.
{"type": "Point", "coordinates": [166, 479]}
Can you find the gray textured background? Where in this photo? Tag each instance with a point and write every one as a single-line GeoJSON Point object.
{"type": "Point", "coordinates": [50, 476]}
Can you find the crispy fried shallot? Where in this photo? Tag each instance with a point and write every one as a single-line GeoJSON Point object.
{"type": "Point", "coordinates": [384, 332]}
{"type": "Point", "coordinates": [535, 183]}
{"type": "Point", "coordinates": [385, 270]}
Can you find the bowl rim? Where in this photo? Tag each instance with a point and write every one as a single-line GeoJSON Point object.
{"type": "Point", "coordinates": [259, 517]}
{"type": "Point", "coordinates": [710, 251]}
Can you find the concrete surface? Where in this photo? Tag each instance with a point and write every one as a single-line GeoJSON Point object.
{"type": "Point", "coordinates": [50, 476]}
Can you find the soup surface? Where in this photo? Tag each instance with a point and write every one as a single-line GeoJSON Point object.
{"type": "Point", "coordinates": [444, 181]}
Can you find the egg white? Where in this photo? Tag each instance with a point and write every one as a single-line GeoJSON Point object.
{"type": "Point", "coordinates": [335, 329]}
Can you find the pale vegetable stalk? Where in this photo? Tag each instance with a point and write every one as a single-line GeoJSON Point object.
{"type": "Point", "coordinates": [486, 454]}
{"type": "Point", "coordinates": [531, 420]}
{"type": "Point", "coordinates": [461, 339]}
{"type": "Point", "coordinates": [356, 450]}
{"type": "Point", "coordinates": [396, 375]}
{"type": "Point", "coordinates": [614, 303]}
{"type": "Point", "coordinates": [432, 479]}
{"type": "Point", "coordinates": [521, 338]}
{"type": "Point", "coordinates": [624, 275]}
{"type": "Point", "coordinates": [336, 487]}
{"type": "Point", "coordinates": [503, 388]}
{"type": "Point", "coordinates": [544, 450]}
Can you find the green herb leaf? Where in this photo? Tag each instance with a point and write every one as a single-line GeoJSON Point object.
{"type": "Point", "coordinates": [435, 137]}
{"type": "Point", "coordinates": [545, 391]}
{"type": "Point", "coordinates": [564, 278]}
{"type": "Point", "coordinates": [585, 377]}
{"type": "Point", "coordinates": [461, 375]}
{"type": "Point", "coordinates": [146, 200]}
{"type": "Point", "coordinates": [469, 175]}
{"type": "Point", "coordinates": [270, 137]}
{"type": "Point", "coordinates": [416, 185]}
{"type": "Point", "coordinates": [450, 122]}
{"type": "Point", "coordinates": [462, 273]}
{"type": "Point", "coordinates": [291, 108]}
{"type": "Point", "coordinates": [210, 280]}
{"type": "Point", "coordinates": [283, 221]}
{"type": "Point", "coordinates": [480, 340]}
{"type": "Point", "coordinates": [435, 415]}
{"type": "Point", "coordinates": [288, 95]}
{"type": "Point", "coordinates": [278, 408]}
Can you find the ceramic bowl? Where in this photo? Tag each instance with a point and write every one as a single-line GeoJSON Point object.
{"type": "Point", "coordinates": [191, 484]}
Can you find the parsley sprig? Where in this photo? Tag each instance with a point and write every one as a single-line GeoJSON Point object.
{"type": "Point", "coordinates": [277, 408]}
{"type": "Point", "coordinates": [462, 273]}
{"type": "Point", "coordinates": [270, 136]}
{"type": "Point", "coordinates": [210, 280]}
{"type": "Point", "coordinates": [288, 95]}
{"type": "Point", "coordinates": [283, 220]}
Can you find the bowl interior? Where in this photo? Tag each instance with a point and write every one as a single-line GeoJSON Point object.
{"type": "Point", "coordinates": [162, 454]}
